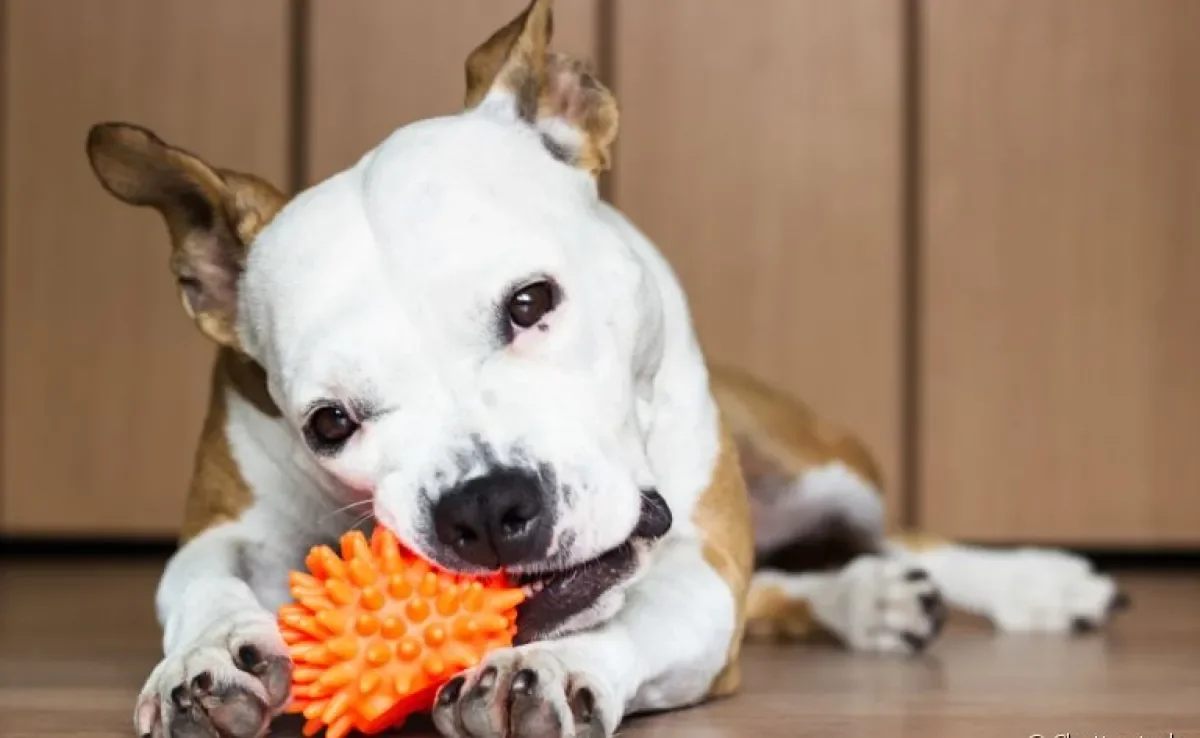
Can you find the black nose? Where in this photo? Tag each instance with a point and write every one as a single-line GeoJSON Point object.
{"type": "Point", "coordinates": [496, 520]}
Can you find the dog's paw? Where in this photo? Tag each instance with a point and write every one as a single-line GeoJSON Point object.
{"type": "Point", "coordinates": [882, 604]}
{"type": "Point", "coordinates": [523, 692]}
{"type": "Point", "coordinates": [1048, 591]}
{"type": "Point", "coordinates": [229, 683]}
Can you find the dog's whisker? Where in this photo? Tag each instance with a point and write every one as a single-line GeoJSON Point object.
{"type": "Point", "coordinates": [346, 509]}
{"type": "Point", "coordinates": [362, 520]}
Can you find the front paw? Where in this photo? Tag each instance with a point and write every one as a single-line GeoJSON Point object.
{"type": "Point", "coordinates": [523, 692]}
{"type": "Point", "coordinates": [1049, 591]}
{"type": "Point", "coordinates": [229, 683]}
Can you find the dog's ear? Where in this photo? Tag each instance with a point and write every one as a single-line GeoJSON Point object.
{"type": "Point", "coordinates": [575, 113]}
{"type": "Point", "coordinates": [212, 216]}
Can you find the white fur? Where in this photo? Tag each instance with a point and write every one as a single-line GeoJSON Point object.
{"type": "Point", "coordinates": [379, 286]}
{"type": "Point", "coordinates": [665, 646]}
{"type": "Point", "coordinates": [382, 285]}
{"type": "Point", "coordinates": [825, 493]}
{"type": "Point", "coordinates": [1023, 590]}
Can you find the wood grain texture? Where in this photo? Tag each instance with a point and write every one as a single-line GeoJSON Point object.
{"type": "Point", "coordinates": [3, 217]}
{"type": "Point", "coordinates": [1061, 283]}
{"type": "Point", "coordinates": [58, 680]}
{"type": "Point", "coordinates": [378, 64]}
{"type": "Point", "coordinates": [105, 379]}
{"type": "Point", "coordinates": [761, 151]}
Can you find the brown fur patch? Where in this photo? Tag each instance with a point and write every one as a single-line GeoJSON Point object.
{"type": "Point", "coordinates": [722, 516]}
{"type": "Point", "coordinates": [218, 493]}
{"type": "Point", "coordinates": [773, 616]}
{"type": "Point", "coordinates": [917, 541]}
{"type": "Point", "coordinates": [514, 57]}
{"type": "Point", "coordinates": [788, 437]}
{"type": "Point", "coordinates": [575, 95]}
{"type": "Point", "coordinates": [249, 380]}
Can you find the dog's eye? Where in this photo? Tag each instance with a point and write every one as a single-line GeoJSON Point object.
{"type": "Point", "coordinates": [530, 304]}
{"type": "Point", "coordinates": [329, 427]}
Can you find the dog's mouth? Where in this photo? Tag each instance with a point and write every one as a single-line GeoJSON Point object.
{"type": "Point", "coordinates": [555, 595]}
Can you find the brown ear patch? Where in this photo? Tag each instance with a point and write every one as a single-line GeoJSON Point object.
{"type": "Point", "coordinates": [212, 215]}
{"type": "Point", "coordinates": [574, 96]}
{"type": "Point", "coordinates": [138, 167]}
{"type": "Point", "coordinates": [514, 58]}
{"type": "Point", "coordinates": [558, 94]}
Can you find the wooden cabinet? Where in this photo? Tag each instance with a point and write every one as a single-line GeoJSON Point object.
{"type": "Point", "coordinates": [1025, 174]}
{"type": "Point", "coordinates": [762, 153]}
{"type": "Point", "coordinates": [104, 377]}
{"type": "Point", "coordinates": [1060, 285]}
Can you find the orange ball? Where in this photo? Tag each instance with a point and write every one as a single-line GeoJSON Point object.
{"type": "Point", "coordinates": [375, 632]}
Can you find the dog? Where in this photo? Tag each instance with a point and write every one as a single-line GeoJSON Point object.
{"type": "Point", "coordinates": [458, 339]}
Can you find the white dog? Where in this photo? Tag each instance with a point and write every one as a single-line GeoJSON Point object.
{"type": "Point", "coordinates": [457, 338]}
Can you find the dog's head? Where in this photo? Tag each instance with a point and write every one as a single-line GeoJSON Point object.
{"type": "Point", "coordinates": [454, 328]}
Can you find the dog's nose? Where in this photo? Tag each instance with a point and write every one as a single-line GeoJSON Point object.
{"type": "Point", "coordinates": [497, 520]}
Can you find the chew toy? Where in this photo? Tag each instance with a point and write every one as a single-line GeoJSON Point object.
{"type": "Point", "coordinates": [375, 632]}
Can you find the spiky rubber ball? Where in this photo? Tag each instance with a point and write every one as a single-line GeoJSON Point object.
{"type": "Point", "coordinates": [375, 632]}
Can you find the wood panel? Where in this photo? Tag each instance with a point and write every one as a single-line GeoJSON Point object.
{"type": "Point", "coordinates": [105, 379]}
{"type": "Point", "coordinates": [1061, 285]}
{"type": "Point", "coordinates": [761, 152]}
{"type": "Point", "coordinates": [3, 166]}
{"type": "Point", "coordinates": [378, 64]}
{"type": "Point", "coordinates": [60, 680]}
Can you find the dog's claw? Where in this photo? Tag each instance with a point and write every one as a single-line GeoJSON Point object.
{"type": "Point", "coordinates": [249, 657]}
{"type": "Point", "coordinates": [583, 706]}
{"type": "Point", "coordinates": [915, 642]}
{"type": "Point", "coordinates": [181, 697]}
{"type": "Point", "coordinates": [524, 681]}
{"type": "Point", "coordinates": [451, 691]}
{"type": "Point", "coordinates": [519, 694]}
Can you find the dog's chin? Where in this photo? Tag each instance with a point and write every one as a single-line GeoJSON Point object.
{"type": "Point", "coordinates": [559, 594]}
{"type": "Point", "coordinates": [555, 597]}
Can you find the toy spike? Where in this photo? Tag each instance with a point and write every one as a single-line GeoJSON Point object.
{"type": "Point", "coordinates": [375, 632]}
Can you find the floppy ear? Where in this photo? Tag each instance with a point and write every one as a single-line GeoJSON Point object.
{"type": "Point", "coordinates": [212, 216]}
{"type": "Point", "coordinates": [559, 95]}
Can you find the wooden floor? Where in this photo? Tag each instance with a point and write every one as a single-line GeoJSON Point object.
{"type": "Point", "coordinates": [77, 640]}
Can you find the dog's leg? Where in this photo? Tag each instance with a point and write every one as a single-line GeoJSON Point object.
{"type": "Point", "coordinates": [819, 536]}
{"type": "Point", "coordinates": [884, 604]}
{"type": "Point", "coordinates": [1018, 590]}
{"type": "Point", "coordinates": [661, 651]}
{"type": "Point", "coordinates": [226, 670]}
